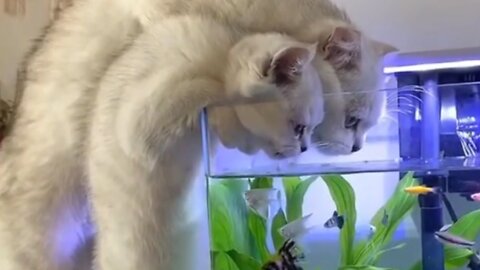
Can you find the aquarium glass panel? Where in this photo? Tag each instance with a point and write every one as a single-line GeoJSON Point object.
{"type": "Point", "coordinates": [347, 210]}
{"type": "Point", "coordinates": [429, 127]}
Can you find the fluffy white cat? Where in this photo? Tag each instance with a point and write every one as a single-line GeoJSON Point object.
{"type": "Point", "coordinates": [144, 142]}
{"type": "Point", "coordinates": [41, 169]}
{"type": "Point", "coordinates": [354, 57]}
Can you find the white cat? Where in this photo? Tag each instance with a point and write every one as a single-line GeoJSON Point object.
{"type": "Point", "coordinates": [145, 145]}
{"type": "Point", "coordinates": [354, 58]}
{"type": "Point", "coordinates": [259, 118]}
{"type": "Point", "coordinates": [144, 142]}
{"type": "Point", "coordinates": [41, 157]}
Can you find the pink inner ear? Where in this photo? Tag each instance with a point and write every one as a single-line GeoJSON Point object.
{"type": "Point", "coordinates": [343, 47]}
{"type": "Point", "coordinates": [289, 64]}
{"type": "Point", "coordinates": [341, 35]}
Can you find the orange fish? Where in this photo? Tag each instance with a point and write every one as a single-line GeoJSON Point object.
{"type": "Point", "coordinates": [420, 190]}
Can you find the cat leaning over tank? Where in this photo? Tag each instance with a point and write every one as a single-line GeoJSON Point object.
{"type": "Point", "coordinates": [353, 73]}
{"type": "Point", "coordinates": [42, 173]}
{"type": "Point", "coordinates": [143, 147]}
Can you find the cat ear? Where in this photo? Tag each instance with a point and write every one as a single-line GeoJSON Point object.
{"type": "Point", "coordinates": [288, 64]}
{"type": "Point", "coordinates": [383, 48]}
{"type": "Point", "coordinates": [343, 47]}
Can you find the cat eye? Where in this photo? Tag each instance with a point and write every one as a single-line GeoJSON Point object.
{"type": "Point", "coordinates": [351, 122]}
{"type": "Point", "coordinates": [299, 130]}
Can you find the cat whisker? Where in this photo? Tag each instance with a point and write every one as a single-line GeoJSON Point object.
{"type": "Point", "coordinates": [406, 98]}
{"type": "Point", "coordinates": [408, 105]}
{"type": "Point", "coordinates": [406, 110]}
{"type": "Point", "coordinates": [320, 144]}
{"type": "Point", "coordinates": [412, 88]}
{"type": "Point", "coordinates": [400, 112]}
{"type": "Point", "coordinates": [391, 118]}
{"type": "Point", "coordinates": [410, 91]}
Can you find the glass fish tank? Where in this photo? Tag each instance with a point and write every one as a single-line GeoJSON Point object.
{"type": "Point", "coordinates": [405, 194]}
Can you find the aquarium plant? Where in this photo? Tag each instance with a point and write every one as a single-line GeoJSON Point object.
{"type": "Point", "coordinates": [467, 227]}
{"type": "Point", "coordinates": [240, 225]}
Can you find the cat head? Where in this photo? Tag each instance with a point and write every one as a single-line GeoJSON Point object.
{"type": "Point", "coordinates": [277, 66]}
{"type": "Point", "coordinates": [353, 103]}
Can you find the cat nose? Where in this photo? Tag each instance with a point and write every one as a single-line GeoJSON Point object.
{"type": "Point", "coordinates": [303, 148]}
{"type": "Point", "coordinates": [355, 148]}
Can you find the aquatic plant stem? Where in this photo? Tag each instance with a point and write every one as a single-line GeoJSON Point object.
{"type": "Point", "coordinates": [268, 236]}
{"type": "Point", "coordinates": [448, 205]}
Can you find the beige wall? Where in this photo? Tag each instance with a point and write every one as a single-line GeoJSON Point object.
{"type": "Point", "coordinates": [16, 35]}
{"type": "Point", "coordinates": [419, 24]}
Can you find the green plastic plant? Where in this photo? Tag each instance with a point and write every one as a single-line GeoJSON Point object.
{"type": "Point", "coordinates": [366, 254]}
{"type": "Point", "coordinates": [468, 227]}
{"type": "Point", "coordinates": [238, 241]}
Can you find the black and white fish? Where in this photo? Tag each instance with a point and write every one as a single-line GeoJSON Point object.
{"type": "Point", "coordinates": [448, 238]}
{"type": "Point", "coordinates": [335, 221]}
{"type": "Point", "coordinates": [288, 258]}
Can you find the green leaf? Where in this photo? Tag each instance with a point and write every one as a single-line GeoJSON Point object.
{"type": "Point", "coordinates": [417, 266]}
{"type": "Point", "coordinates": [223, 262]}
{"type": "Point", "coordinates": [295, 190]}
{"type": "Point", "coordinates": [344, 197]}
{"type": "Point", "coordinates": [456, 258]}
{"type": "Point", "coordinates": [468, 227]}
{"type": "Point", "coordinates": [222, 236]}
{"type": "Point", "coordinates": [290, 185]}
{"type": "Point", "coordinates": [278, 221]}
{"type": "Point", "coordinates": [261, 182]}
{"type": "Point", "coordinates": [258, 230]}
{"type": "Point", "coordinates": [228, 216]}
{"type": "Point", "coordinates": [244, 261]}
{"type": "Point", "coordinates": [381, 252]}
{"type": "Point", "coordinates": [363, 267]}
{"type": "Point", "coordinates": [398, 207]}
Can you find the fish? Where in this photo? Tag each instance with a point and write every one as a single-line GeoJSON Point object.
{"type": "Point", "coordinates": [296, 228]}
{"type": "Point", "coordinates": [447, 238]}
{"type": "Point", "coordinates": [421, 190]}
{"type": "Point", "coordinates": [335, 221]}
{"type": "Point", "coordinates": [475, 197]}
{"type": "Point", "coordinates": [445, 228]}
{"type": "Point", "coordinates": [385, 217]}
{"type": "Point", "coordinates": [288, 257]}
{"type": "Point", "coordinates": [263, 201]}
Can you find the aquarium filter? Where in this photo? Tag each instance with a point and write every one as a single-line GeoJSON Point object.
{"type": "Point", "coordinates": [444, 132]}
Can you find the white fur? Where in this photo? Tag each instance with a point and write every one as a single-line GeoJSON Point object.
{"type": "Point", "coordinates": [309, 21]}
{"type": "Point", "coordinates": [144, 146]}
{"type": "Point", "coordinates": [41, 173]}
{"type": "Point", "coordinates": [145, 143]}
